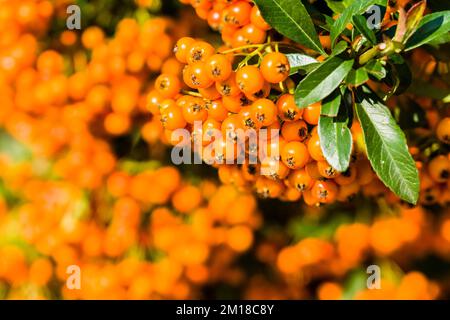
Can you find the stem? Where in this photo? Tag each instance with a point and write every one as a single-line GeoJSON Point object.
{"type": "Point", "coordinates": [242, 48]}
{"type": "Point", "coordinates": [259, 46]}
{"type": "Point", "coordinates": [369, 55]}
{"type": "Point", "coordinates": [383, 49]}
{"type": "Point", "coordinates": [251, 55]}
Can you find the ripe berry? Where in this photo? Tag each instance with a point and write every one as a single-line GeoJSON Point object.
{"type": "Point", "coordinates": [228, 87]}
{"type": "Point", "coordinates": [365, 174]}
{"type": "Point", "coordinates": [274, 169]}
{"type": "Point", "coordinates": [443, 130]}
{"type": "Point", "coordinates": [194, 110]}
{"type": "Point", "coordinates": [326, 170]}
{"type": "Point", "coordinates": [257, 19]}
{"type": "Point", "coordinates": [325, 191]}
{"type": "Point", "coordinates": [295, 155]}
{"type": "Point", "coordinates": [348, 191]}
{"type": "Point", "coordinates": [235, 103]}
{"type": "Point", "coordinates": [211, 130]}
{"type": "Point", "coordinates": [182, 48]}
{"type": "Point", "coordinates": [154, 99]}
{"type": "Point", "coordinates": [168, 85]}
{"type": "Point", "coordinates": [261, 94]}
{"type": "Point", "coordinates": [264, 112]}
{"type": "Point", "coordinates": [246, 118]}
{"type": "Point", "coordinates": [314, 148]}
{"type": "Point", "coordinates": [210, 93]}
{"type": "Point", "coordinates": [218, 67]}
{"type": "Point", "coordinates": [287, 109]}
{"type": "Point", "coordinates": [275, 67]}
{"type": "Point", "coordinates": [347, 177]}
{"type": "Point", "coordinates": [172, 118]}
{"type": "Point", "coordinates": [313, 171]}
{"type": "Point", "coordinates": [196, 76]}
{"type": "Point", "coordinates": [311, 113]}
{"type": "Point", "coordinates": [200, 51]}
{"type": "Point", "coordinates": [230, 125]}
{"type": "Point", "coordinates": [249, 79]}
{"type": "Point", "coordinates": [439, 169]}
{"type": "Point", "coordinates": [248, 35]}
{"type": "Point", "coordinates": [295, 131]}
{"type": "Point", "coordinates": [268, 188]}
{"type": "Point", "coordinates": [216, 110]}
{"type": "Point", "coordinates": [237, 14]}
{"type": "Point", "coordinates": [300, 180]}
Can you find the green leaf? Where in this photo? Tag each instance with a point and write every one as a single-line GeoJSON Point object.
{"type": "Point", "coordinates": [339, 48]}
{"type": "Point", "coordinates": [440, 40]}
{"type": "Point", "coordinates": [357, 77]}
{"type": "Point", "coordinates": [330, 105]}
{"type": "Point", "coordinates": [336, 140]}
{"type": "Point", "coordinates": [431, 27]}
{"type": "Point", "coordinates": [375, 69]}
{"type": "Point", "coordinates": [360, 24]}
{"type": "Point", "coordinates": [322, 81]}
{"type": "Point", "coordinates": [413, 18]}
{"type": "Point", "coordinates": [298, 61]}
{"type": "Point", "coordinates": [290, 18]}
{"type": "Point", "coordinates": [386, 145]}
{"type": "Point", "coordinates": [337, 6]}
{"type": "Point", "coordinates": [356, 8]}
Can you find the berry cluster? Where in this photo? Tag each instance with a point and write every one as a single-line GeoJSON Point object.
{"type": "Point", "coordinates": [252, 97]}
{"type": "Point", "coordinates": [239, 21]}
{"type": "Point", "coordinates": [79, 186]}
{"type": "Point", "coordinates": [136, 213]}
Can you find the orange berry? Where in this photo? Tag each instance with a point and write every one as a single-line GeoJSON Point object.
{"type": "Point", "coordinates": [257, 19]}
{"type": "Point", "coordinates": [443, 130]}
{"type": "Point", "coordinates": [263, 112]}
{"type": "Point", "coordinates": [228, 87]}
{"type": "Point", "coordinates": [240, 238]}
{"type": "Point", "coordinates": [287, 109]}
{"type": "Point", "coordinates": [311, 113]}
{"type": "Point", "coordinates": [347, 177]}
{"type": "Point", "coordinates": [275, 67]}
{"type": "Point", "coordinates": [216, 110]}
{"type": "Point", "coordinates": [218, 67]}
{"type": "Point", "coordinates": [249, 79]}
{"type": "Point", "coordinates": [439, 169]}
{"type": "Point", "coordinates": [295, 131]}
{"type": "Point", "coordinates": [235, 103]}
{"type": "Point", "coordinates": [200, 51]}
{"type": "Point", "coordinates": [325, 191]}
{"type": "Point", "coordinates": [295, 155]}
{"type": "Point", "coordinates": [168, 85]}
{"type": "Point", "coordinates": [92, 37]}
{"type": "Point", "coordinates": [314, 148]}
{"type": "Point", "coordinates": [326, 170]}
{"type": "Point", "coordinates": [41, 271]}
{"type": "Point", "coordinates": [172, 118]}
{"type": "Point", "coordinates": [187, 199]}
{"type": "Point", "coordinates": [182, 48]}
{"type": "Point", "coordinates": [300, 180]}
{"type": "Point", "coordinates": [237, 14]}
{"type": "Point", "coordinates": [196, 76]}
{"type": "Point", "coordinates": [194, 110]}
{"type": "Point", "coordinates": [117, 123]}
